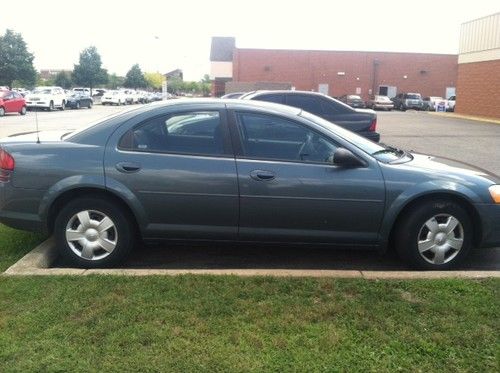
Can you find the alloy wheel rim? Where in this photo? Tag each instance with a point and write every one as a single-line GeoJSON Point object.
{"type": "Point", "coordinates": [91, 235]}
{"type": "Point", "coordinates": [440, 239]}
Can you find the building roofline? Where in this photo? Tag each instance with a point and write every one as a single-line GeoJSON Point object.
{"type": "Point", "coordinates": [477, 19]}
{"type": "Point", "coordinates": [341, 51]}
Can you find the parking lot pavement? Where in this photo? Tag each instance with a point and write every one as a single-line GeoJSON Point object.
{"type": "Point", "coordinates": [469, 141]}
{"type": "Point", "coordinates": [56, 120]}
{"type": "Point", "coordinates": [245, 256]}
{"type": "Point", "coordinates": [473, 142]}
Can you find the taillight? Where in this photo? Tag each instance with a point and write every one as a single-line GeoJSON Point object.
{"type": "Point", "coordinates": [6, 161]}
{"type": "Point", "coordinates": [373, 125]}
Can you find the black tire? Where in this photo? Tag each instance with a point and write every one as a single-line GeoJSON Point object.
{"type": "Point", "coordinates": [401, 107]}
{"type": "Point", "coordinates": [51, 106]}
{"type": "Point", "coordinates": [23, 110]}
{"type": "Point", "coordinates": [2, 111]}
{"type": "Point", "coordinates": [412, 224]}
{"type": "Point", "coordinates": [77, 106]}
{"type": "Point", "coordinates": [90, 105]}
{"type": "Point", "coordinates": [63, 106]}
{"type": "Point", "coordinates": [125, 236]}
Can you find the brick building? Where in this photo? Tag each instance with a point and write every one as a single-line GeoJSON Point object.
{"type": "Point", "coordinates": [335, 72]}
{"type": "Point", "coordinates": [478, 81]}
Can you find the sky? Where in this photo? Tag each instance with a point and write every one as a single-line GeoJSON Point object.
{"type": "Point", "coordinates": [165, 35]}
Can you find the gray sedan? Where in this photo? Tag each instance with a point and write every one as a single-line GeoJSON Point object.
{"type": "Point", "coordinates": [239, 170]}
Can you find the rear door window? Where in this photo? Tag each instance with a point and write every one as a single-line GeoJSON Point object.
{"type": "Point", "coordinates": [194, 133]}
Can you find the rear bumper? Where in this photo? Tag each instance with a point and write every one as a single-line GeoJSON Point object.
{"type": "Point", "coordinates": [490, 219]}
{"type": "Point", "coordinates": [374, 136]}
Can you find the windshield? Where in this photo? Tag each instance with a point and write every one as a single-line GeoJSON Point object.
{"type": "Point", "coordinates": [414, 96]}
{"type": "Point", "coordinates": [42, 91]}
{"type": "Point", "coordinates": [381, 152]}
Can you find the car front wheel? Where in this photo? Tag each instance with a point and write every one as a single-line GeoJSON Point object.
{"type": "Point", "coordinates": [93, 233]}
{"type": "Point", "coordinates": [23, 110]}
{"type": "Point", "coordinates": [436, 235]}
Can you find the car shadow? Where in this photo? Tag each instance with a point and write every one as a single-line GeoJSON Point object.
{"type": "Point", "coordinates": [260, 256]}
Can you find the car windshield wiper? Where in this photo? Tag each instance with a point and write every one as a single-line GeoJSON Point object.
{"type": "Point", "coordinates": [390, 149]}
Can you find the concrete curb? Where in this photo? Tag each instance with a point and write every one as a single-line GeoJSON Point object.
{"type": "Point", "coordinates": [38, 261]}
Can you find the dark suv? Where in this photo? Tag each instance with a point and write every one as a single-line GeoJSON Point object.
{"type": "Point", "coordinates": [405, 101]}
{"type": "Point", "coordinates": [361, 121]}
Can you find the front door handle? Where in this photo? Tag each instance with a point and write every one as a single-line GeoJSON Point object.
{"type": "Point", "coordinates": [261, 175]}
{"type": "Point", "coordinates": [128, 167]}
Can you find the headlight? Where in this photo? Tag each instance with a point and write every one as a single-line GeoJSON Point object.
{"type": "Point", "coordinates": [495, 193]}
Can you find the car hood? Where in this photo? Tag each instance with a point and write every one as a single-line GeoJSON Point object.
{"type": "Point", "coordinates": [30, 137]}
{"type": "Point", "coordinates": [31, 95]}
{"type": "Point", "coordinates": [450, 168]}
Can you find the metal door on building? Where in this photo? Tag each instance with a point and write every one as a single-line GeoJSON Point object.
{"type": "Point", "coordinates": [323, 88]}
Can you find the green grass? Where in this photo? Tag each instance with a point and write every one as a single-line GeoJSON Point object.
{"type": "Point", "coordinates": [15, 244]}
{"type": "Point", "coordinates": [205, 323]}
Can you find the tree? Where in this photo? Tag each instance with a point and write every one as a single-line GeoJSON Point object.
{"type": "Point", "coordinates": [205, 85]}
{"type": "Point", "coordinates": [16, 63]}
{"type": "Point", "coordinates": [63, 79]}
{"type": "Point", "coordinates": [135, 78]}
{"type": "Point", "coordinates": [154, 80]}
{"type": "Point", "coordinates": [115, 81]}
{"type": "Point", "coordinates": [88, 72]}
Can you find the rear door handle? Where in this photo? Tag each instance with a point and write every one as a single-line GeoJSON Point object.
{"type": "Point", "coordinates": [261, 175]}
{"type": "Point", "coordinates": [128, 167]}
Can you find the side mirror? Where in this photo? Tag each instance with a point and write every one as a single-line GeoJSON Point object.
{"type": "Point", "coordinates": [345, 158]}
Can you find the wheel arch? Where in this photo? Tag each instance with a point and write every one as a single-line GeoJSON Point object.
{"type": "Point", "coordinates": [461, 200]}
{"type": "Point", "coordinates": [88, 191]}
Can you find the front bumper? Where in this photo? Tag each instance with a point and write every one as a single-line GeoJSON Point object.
{"type": "Point", "coordinates": [489, 215]}
{"type": "Point", "coordinates": [41, 104]}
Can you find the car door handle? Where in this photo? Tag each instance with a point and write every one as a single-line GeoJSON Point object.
{"type": "Point", "coordinates": [128, 167]}
{"type": "Point", "coordinates": [260, 175]}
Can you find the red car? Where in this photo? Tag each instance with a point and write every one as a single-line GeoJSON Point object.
{"type": "Point", "coordinates": [11, 102]}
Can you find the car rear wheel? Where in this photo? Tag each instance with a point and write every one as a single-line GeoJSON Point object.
{"type": "Point", "coordinates": [77, 105]}
{"type": "Point", "coordinates": [23, 110]}
{"type": "Point", "coordinates": [93, 233]}
{"type": "Point", "coordinates": [90, 105]}
{"type": "Point", "coordinates": [51, 106]}
{"type": "Point", "coordinates": [63, 106]}
{"type": "Point", "coordinates": [2, 111]}
{"type": "Point", "coordinates": [435, 235]}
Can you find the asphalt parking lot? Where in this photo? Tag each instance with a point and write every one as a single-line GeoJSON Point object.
{"type": "Point", "coordinates": [469, 141]}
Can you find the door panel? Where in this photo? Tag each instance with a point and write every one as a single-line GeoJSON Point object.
{"type": "Point", "coordinates": [184, 195]}
{"type": "Point", "coordinates": [300, 195]}
{"type": "Point", "coordinates": [310, 202]}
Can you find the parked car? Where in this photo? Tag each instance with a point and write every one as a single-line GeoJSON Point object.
{"type": "Point", "coordinates": [239, 170]}
{"type": "Point", "coordinates": [233, 95]}
{"type": "Point", "coordinates": [451, 103]}
{"type": "Point", "coordinates": [432, 102]}
{"type": "Point", "coordinates": [48, 98]}
{"type": "Point", "coordinates": [380, 102]}
{"type": "Point", "coordinates": [11, 102]}
{"type": "Point", "coordinates": [78, 100]}
{"type": "Point", "coordinates": [405, 101]}
{"type": "Point", "coordinates": [361, 121]}
{"type": "Point", "coordinates": [354, 101]}
{"type": "Point", "coordinates": [114, 98]}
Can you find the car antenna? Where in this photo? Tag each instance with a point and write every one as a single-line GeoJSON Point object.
{"type": "Point", "coordinates": [36, 123]}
